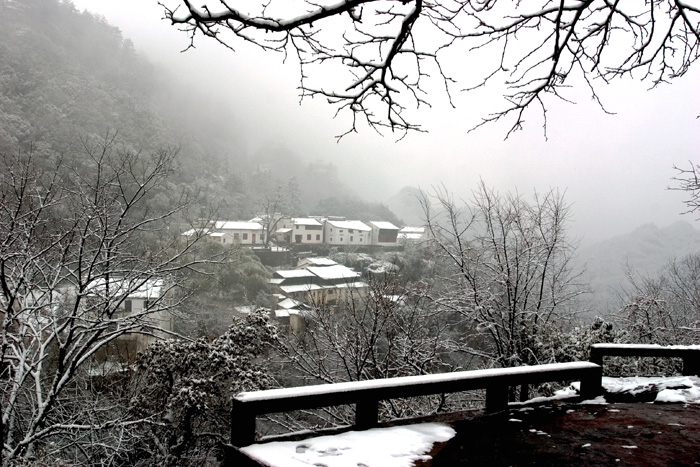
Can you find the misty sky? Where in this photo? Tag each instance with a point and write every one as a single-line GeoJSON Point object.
{"type": "Point", "coordinates": [615, 169]}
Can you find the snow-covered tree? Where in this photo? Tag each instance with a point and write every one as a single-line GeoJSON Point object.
{"type": "Point", "coordinates": [507, 271]}
{"type": "Point", "coordinates": [390, 331]}
{"type": "Point", "coordinates": [77, 239]}
{"type": "Point", "coordinates": [186, 387]}
{"type": "Point", "coordinates": [664, 309]}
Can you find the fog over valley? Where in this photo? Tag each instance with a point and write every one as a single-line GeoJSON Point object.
{"type": "Point", "coordinates": [227, 222]}
{"type": "Point", "coordinates": [614, 167]}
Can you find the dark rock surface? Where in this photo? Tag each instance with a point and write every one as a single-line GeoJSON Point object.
{"type": "Point", "coordinates": [637, 434]}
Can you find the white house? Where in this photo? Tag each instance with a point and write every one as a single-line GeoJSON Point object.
{"type": "Point", "coordinates": [316, 285]}
{"type": "Point", "coordinates": [141, 301]}
{"type": "Point", "coordinates": [384, 233]}
{"type": "Point", "coordinates": [301, 230]}
{"type": "Point", "coordinates": [238, 232]}
{"type": "Point", "coordinates": [347, 233]}
{"type": "Point", "coordinates": [411, 234]}
{"type": "Point", "coordinates": [232, 232]}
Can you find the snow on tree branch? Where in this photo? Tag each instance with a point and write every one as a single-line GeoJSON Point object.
{"type": "Point", "coordinates": [377, 60]}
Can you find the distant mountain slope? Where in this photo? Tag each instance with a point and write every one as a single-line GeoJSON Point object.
{"type": "Point", "coordinates": [646, 250]}
{"type": "Point", "coordinates": [405, 205]}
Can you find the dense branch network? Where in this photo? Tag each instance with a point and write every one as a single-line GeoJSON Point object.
{"type": "Point", "coordinates": [375, 58]}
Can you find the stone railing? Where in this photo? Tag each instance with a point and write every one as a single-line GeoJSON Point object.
{"type": "Point", "coordinates": [365, 395]}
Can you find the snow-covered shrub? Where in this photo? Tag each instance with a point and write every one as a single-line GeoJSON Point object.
{"type": "Point", "coordinates": [185, 388]}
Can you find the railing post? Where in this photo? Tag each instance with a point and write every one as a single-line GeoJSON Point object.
{"type": "Point", "coordinates": [242, 424]}
{"type": "Point", "coordinates": [524, 392]}
{"type": "Point", "coordinates": [592, 383]}
{"type": "Point", "coordinates": [691, 362]}
{"type": "Point", "coordinates": [366, 414]}
{"type": "Point", "coordinates": [596, 356]}
{"type": "Point", "coordinates": [496, 398]}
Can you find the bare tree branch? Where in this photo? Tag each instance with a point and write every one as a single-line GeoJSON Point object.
{"type": "Point", "coordinates": [374, 59]}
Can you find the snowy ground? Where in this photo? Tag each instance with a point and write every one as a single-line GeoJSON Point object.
{"type": "Point", "coordinates": [398, 446]}
{"type": "Point", "coordinates": [403, 445]}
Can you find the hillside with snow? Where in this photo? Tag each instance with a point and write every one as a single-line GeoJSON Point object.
{"type": "Point", "coordinates": [644, 251]}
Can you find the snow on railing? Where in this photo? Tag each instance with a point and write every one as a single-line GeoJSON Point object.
{"type": "Point", "coordinates": [689, 353]}
{"type": "Point", "coordinates": [367, 394]}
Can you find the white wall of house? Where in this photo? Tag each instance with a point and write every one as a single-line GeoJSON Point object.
{"type": "Point", "coordinates": [384, 233]}
{"type": "Point", "coordinates": [305, 230]}
{"type": "Point", "coordinates": [241, 233]}
{"type": "Point", "coordinates": [347, 233]}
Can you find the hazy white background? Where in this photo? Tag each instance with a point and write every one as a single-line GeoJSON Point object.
{"type": "Point", "coordinates": [615, 169]}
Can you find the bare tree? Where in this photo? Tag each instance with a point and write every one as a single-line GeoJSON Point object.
{"type": "Point", "coordinates": [374, 58]}
{"type": "Point", "coordinates": [689, 181]}
{"type": "Point", "coordinates": [664, 309]}
{"type": "Point", "coordinates": [276, 201]}
{"type": "Point", "coordinates": [387, 332]}
{"type": "Point", "coordinates": [77, 240]}
{"type": "Point", "coordinates": [507, 271]}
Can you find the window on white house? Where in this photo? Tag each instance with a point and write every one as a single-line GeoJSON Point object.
{"type": "Point", "coordinates": [318, 237]}
{"type": "Point", "coordinates": [351, 238]}
{"type": "Point", "coordinates": [245, 236]}
{"type": "Point", "coordinates": [127, 306]}
{"type": "Point", "coordinates": [235, 236]}
{"type": "Point", "coordinates": [308, 236]}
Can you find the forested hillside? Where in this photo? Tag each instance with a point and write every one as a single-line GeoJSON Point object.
{"type": "Point", "coordinates": [641, 253]}
{"type": "Point", "coordinates": [67, 76]}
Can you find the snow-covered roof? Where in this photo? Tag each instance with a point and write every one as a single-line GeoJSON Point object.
{"type": "Point", "coordinates": [237, 225]}
{"type": "Point", "coordinates": [300, 288]}
{"type": "Point", "coordinates": [316, 261]}
{"type": "Point", "coordinates": [337, 271]}
{"type": "Point", "coordinates": [283, 230]}
{"type": "Point", "coordinates": [133, 288]}
{"type": "Point", "coordinates": [294, 273]}
{"type": "Point", "coordinates": [306, 221]}
{"type": "Point", "coordinates": [383, 225]}
{"type": "Point", "coordinates": [349, 285]}
{"type": "Point", "coordinates": [193, 232]}
{"type": "Point", "coordinates": [245, 309]}
{"type": "Point", "coordinates": [410, 236]}
{"type": "Point", "coordinates": [414, 230]}
{"type": "Point", "coordinates": [288, 303]}
{"type": "Point", "coordinates": [281, 314]}
{"type": "Point", "coordinates": [354, 225]}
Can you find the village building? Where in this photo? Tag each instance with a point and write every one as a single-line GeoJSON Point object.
{"type": "Point", "coordinates": [319, 285]}
{"type": "Point", "coordinates": [142, 303]}
{"type": "Point", "coordinates": [338, 232]}
{"type": "Point", "coordinates": [384, 233]}
{"type": "Point", "coordinates": [411, 234]}
{"type": "Point", "coordinates": [232, 232]}
{"type": "Point", "coordinates": [300, 230]}
{"type": "Point", "coordinates": [239, 232]}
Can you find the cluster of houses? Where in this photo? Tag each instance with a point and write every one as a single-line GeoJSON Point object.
{"type": "Point", "coordinates": [315, 282]}
{"type": "Point", "coordinates": [333, 231]}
